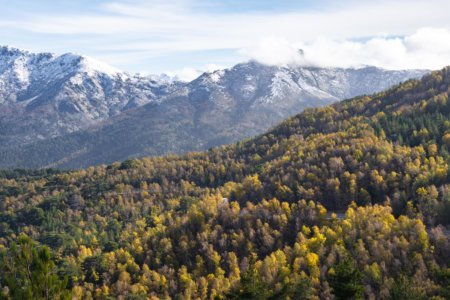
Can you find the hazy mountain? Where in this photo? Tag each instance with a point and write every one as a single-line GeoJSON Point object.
{"type": "Point", "coordinates": [216, 108]}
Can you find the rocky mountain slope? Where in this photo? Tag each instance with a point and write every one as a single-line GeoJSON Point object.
{"type": "Point", "coordinates": [46, 95]}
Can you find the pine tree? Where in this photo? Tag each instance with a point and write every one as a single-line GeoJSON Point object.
{"type": "Point", "coordinates": [346, 281]}
{"type": "Point", "coordinates": [28, 272]}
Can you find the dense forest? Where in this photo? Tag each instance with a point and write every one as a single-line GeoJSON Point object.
{"type": "Point", "coordinates": [349, 201]}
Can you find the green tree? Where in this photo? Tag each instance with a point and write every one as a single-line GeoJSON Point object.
{"type": "Point", "coordinates": [28, 272]}
{"type": "Point", "coordinates": [403, 289]}
{"type": "Point", "coordinates": [346, 281]}
{"type": "Point", "coordinates": [251, 285]}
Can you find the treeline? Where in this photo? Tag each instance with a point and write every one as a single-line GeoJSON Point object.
{"type": "Point", "coordinates": [255, 219]}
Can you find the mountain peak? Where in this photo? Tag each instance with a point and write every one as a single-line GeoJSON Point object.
{"type": "Point", "coordinates": [67, 62]}
{"type": "Point", "coordinates": [11, 51]}
{"type": "Point", "coordinates": [89, 65]}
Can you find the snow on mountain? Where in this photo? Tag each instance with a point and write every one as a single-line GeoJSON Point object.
{"type": "Point", "coordinates": [163, 78]}
{"type": "Point", "coordinates": [92, 66]}
{"type": "Point", "coordinates": [45, 95]}
{"type": "Point", "coordinates": [276, 87]}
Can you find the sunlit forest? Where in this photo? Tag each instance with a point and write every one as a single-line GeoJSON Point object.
{"type": "Point", "coordinates": [349, 201]}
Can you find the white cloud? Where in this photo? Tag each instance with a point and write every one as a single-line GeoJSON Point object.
{"type": "Point", "coordinates": [179, 23]}
{"type": "Point", "coordinates": [275, 51]}
{"type": "Point", "coordinates": [188, 74]}
{"type": "Point", "coordinates": [428, 48]}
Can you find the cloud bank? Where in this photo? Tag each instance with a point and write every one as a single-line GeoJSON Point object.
{"type": "Point", "coordinates": [428, 48]}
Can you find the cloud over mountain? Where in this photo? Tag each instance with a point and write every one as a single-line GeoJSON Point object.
{"type": "Point", "coordinates": [427, 48]}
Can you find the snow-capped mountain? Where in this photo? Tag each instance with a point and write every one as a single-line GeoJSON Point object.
{"type": "Point", "coordinates": [287, 90]}
{"type": "Point", "coordinates": [46, 95]}
{"type": "Point", "coordinates": [217, 108]}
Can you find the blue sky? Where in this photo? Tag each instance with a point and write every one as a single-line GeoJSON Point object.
{"type": "Point", "coordinates": [186, 36]}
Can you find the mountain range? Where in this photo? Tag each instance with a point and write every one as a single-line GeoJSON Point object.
{"type": "Point", "coordinates": [71, 111]}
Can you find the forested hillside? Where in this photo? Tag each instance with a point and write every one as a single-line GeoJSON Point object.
{"type": "Point", "coordinates": [348, 201]}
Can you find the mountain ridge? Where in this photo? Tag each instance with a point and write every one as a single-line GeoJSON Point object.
{"type": "Point", "coordinates": [71, 91]}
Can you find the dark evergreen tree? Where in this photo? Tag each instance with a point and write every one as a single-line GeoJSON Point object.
{"type": "Point", "coordinates": [346, 281]}
{"type": "Point", "coordinates": [28, 272]}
